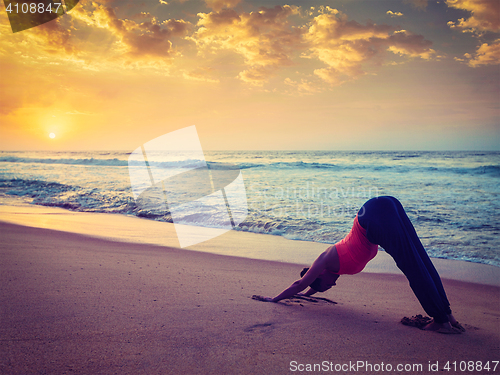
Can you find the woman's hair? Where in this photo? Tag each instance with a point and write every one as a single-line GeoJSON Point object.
{"type": "Point", "coordinates": [316, 284]}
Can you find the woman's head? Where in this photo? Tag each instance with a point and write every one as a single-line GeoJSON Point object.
{"type": "Point", "coordinates": [323, 282]}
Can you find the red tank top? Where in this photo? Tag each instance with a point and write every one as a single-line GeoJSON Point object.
{"type": "Point", "coordinates": [355, 251]}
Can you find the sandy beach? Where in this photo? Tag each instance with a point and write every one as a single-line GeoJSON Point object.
{"type": "Point", "coordinates": [75, 303]}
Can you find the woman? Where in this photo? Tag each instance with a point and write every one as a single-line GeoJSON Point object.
{"type": "Point", "coordinates": [381, 221]}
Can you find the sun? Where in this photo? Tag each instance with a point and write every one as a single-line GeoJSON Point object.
{"type": "Point", "coordinates": [52, 135]}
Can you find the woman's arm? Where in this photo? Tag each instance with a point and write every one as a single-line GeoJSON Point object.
{"type": "Point", "coordinates": [298, 286]}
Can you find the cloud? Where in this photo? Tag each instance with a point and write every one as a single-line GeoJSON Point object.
{"type": "Point", "coordinates": [258, 75]}
{"type": "Point", "coordinates": [92, 36]}
{"type": "Point", "coordinates": [264, 38]}
{"type": "Point", "coordinates": [200, 74]}
{"type": "Point", "coordinates": [268, 42]}
{"type": "Point", "coordinates": [394, 14]}
{"type": "Point", "coordinates": [404, 43]}
{"type": "Point", "coordinates": [485, 15]}
{"type": "Point", "coordinates": [54, 38]}
{"type": "Point", "coordinates": [304, 87]}
{"type": "Point", "coordinates": [418, 4]}
{"type": "Point", "coordinates": [486, 54]}
{"type": "Point", "coordinates": [221, 4]}
{"type": "Point", "coordinates": [344, 46]}
{"type": "Point", "coordinates": [256, 45]}
{"type": "Point", "coordinates": [48, 39]}
{"type": "Point", "coordinates": [138, 40]}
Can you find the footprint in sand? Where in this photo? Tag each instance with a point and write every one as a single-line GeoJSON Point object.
{"type": "Point", "coordinates": [265, 327]}
{"type": "Point", "coordinates": [320, 300]}
{"type": "Point", "coordinates": [468, 327]}
{"type": "Point", "coordinates": [303, 301]}
{"type": "Point", "coordinates": [298, 299]}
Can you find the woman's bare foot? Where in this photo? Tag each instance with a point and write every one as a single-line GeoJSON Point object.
{"type": "Point", "coordinates": [428, 324]}
{"type": "Point", "coordinates": [441, 328]}
{"type": "Point", "coordinates": [455, 324]}
{"type": "Point", "coordinates": [452, 319]}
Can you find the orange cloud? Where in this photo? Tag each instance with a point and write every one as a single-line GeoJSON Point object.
{"type": "Point", "coordinates": [394, 14]}
{"type": "Point", "coordinates": [258, 75]}
{"type": "Point", "coordinates": [90, 37]}
{"type": "Point", "coordinates": [221, 4]}
{"type": "Point", "coordinates": [199, 74]}
{"type": "Point", "coordinates": [304, 87]}
{"type": "Point", "coordinates": [51, 38]}
{"type": "Point", "coordinates": [54, 38]}
{"type": "Point", "coordinates": [94, 36]}
{"type": "Point", "coordinates": [267, 42]}
{"type": "Point", "coordinates": [405, 43]}
{"type": "Point", "coordinates": [346, 45]}
{"type": "Point", "coordinates": [263, 38]}
{"type": "Point", "coordinates": [258, 44]}
{"type": "Point", "coordinates": [485, 15]}
{"type": "Point", "coordinates": [137, 40]}
{"type": "Point", "coordinates": [486, 54]}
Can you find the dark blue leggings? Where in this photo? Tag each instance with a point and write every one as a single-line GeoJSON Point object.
{"type": "Point", "coordinates": [387, 225]}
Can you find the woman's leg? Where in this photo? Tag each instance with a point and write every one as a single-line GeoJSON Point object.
{"type": "Point", "coordinates": [388, 225]}
{"type": "Point", "coordinates": [423, 255]}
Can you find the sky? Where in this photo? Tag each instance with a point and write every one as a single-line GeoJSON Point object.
{"type": "Point", "coordinates": [255, 75]}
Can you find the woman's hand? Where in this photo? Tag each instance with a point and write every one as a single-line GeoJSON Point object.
{"type": "Point", "coordinates": [318, 266]}
{"type": "Point", "coordinates": [310, 292]}
{"type": "Point", "coordinates": [263, 299]}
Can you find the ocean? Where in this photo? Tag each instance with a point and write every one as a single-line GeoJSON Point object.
{"type": "Point", "coordinates": [452, 198]}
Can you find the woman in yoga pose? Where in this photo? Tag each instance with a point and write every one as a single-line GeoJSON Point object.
{"type": "Point", "coordinates": [381, 221]}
